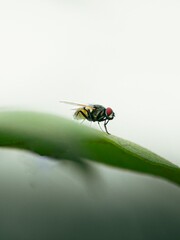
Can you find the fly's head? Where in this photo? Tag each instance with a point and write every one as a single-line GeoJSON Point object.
{"type": "Point", "coordinates": [109, 113]}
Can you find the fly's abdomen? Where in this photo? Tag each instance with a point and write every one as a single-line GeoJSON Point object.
{"type": "Point", "coordinates": [80, 114]}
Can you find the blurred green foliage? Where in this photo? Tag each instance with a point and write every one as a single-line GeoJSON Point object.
{"type": "Point", "coordinates": [60, 138]}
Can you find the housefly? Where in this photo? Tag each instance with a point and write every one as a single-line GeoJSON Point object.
{"type": "Point", "coordinates": [93, 113]}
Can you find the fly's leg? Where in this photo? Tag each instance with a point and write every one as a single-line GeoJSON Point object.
{"type": "Point", "coordinates": [105, 123]}
{"type": "Point", "coordinates": [100, 126]}
{"type": "Point", "coordinates": [83, 121]}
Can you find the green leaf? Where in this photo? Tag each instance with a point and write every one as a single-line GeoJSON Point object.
{"type": "Point", "coordinates": [60, 138]}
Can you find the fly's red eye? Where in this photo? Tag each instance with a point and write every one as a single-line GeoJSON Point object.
{"type": "Point", "coordinates": [109, 111]}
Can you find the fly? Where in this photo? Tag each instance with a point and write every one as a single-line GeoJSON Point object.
{"type": "Point", "coordinates": [93, 113]}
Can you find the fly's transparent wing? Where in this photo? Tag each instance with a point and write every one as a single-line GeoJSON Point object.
{"type": "Point", "coordinates": [79, 104]}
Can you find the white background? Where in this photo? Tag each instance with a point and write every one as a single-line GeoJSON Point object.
{"type": "Point", "coordinates": [122, 54]}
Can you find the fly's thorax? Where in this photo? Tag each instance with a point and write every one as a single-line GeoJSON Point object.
{"type": "Point", "coordinates": [98, 114]}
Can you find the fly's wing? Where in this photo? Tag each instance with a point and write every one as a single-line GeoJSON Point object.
{"type": "Point", "coordinates": [90, 107]}
{"type": "Point", "coordinates": [73, 103]}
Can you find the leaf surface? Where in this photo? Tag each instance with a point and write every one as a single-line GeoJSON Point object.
{"type": "Point", "coordinates": [60, 138]}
